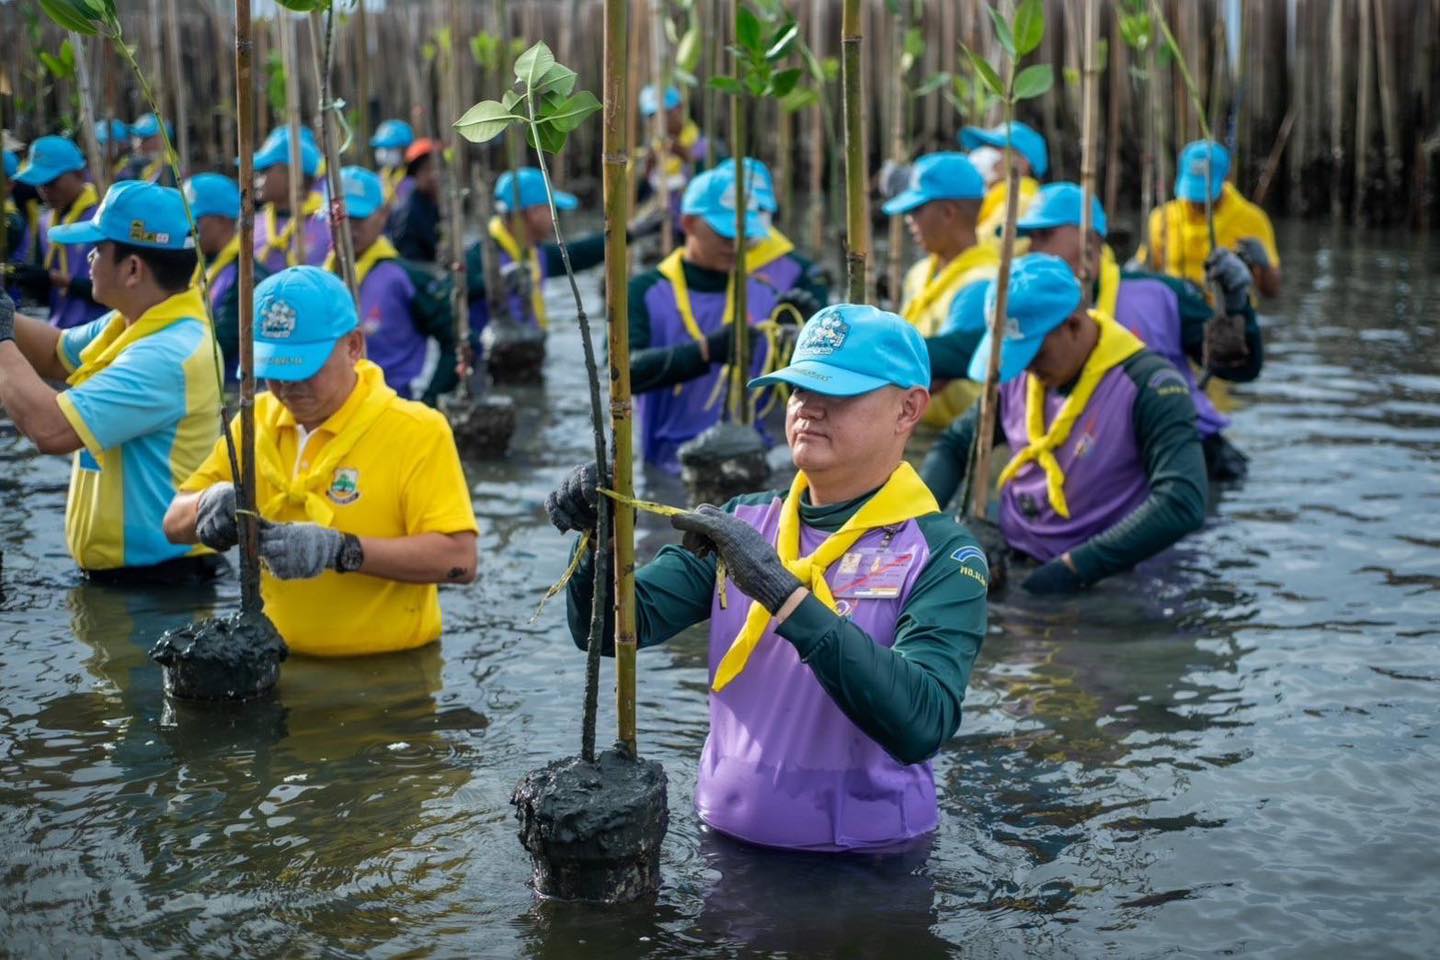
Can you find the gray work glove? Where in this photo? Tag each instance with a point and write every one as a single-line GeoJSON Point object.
{"type": "Point", "coordinates": [1252, 251]}
{"type": "Point", "coordinates": [752, 562]}
{"type": "Point", "coordinates": [571, 506]}
{"type": "Point", "coordinates": [1227, 271]}
{"type": "Point", "coordinates": [299, 551]}
{"type": "Point", "coordinates": [515, 280]}
{"type": "Point", "coordinates": [215, 523]}
{"type": "Point", "coordinates": [7, 317]}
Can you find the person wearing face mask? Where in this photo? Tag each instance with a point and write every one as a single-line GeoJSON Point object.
{"type": "Point", "coordinates": [142, 404]}
{"type": "Point", "coordinates": [355, 536]}
{"type": "Point", "coordinates": [842, 639]}
{"type": "Point", "coordinates": [1107, 468]}
{"type": "Point", "coordinates": [392, 138]}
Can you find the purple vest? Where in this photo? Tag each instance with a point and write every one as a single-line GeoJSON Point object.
{"type": "Point", "coordinates": [219, 290]}
{"type": "Point", "coordinates": [68, 311]}
{"type": "Point", "coordinates": [317, 242]}
{"type": "Point", "coordinates": [1105, 478]}
{"type": "Point", "coordinates": [1151, 310]}
{"type": "Point", "coordinates": [520, 307]}
{"type": "Point", "coordinates": [672, 415]}
{"type": "Point", "coordinates": [392, 341]}
{"type": "Point", "coordinates": [783, 766]}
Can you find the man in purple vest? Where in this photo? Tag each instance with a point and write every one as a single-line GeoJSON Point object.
{"type": "Point", "coordinates": [1168, 313]}
{"type": "Point", "coordinates": [680, 329]}
{"type": "Point", "coordinates": [56, 168]}
{"type": "Point", "coordinates": [842, 640]}
{"type": "Point", "coordinates": [1107, 468]}
{"type": "Point", "coordinates": [215, 204]}
{"type": "Point", "coordinates": [275, 246]}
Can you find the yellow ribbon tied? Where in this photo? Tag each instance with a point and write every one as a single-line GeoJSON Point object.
{"type": "Point", "coordinates": [1109, 282]}
{"type": "Point", "coordinates": [903, 497]}
{"type": "Point", "coordinates": [88, 198]}
{"type": "Point", "coordinates": [1114, 347]}
{"type": "Point", "coordinates": [304, 488]}
{"type": "Point", "coordinates": [974, 263]}
{"type": "Point", "coordinates": [118, 336]}
{"type": "Point", "coordinates": [502, 235]}
{"type": "Point", "coordinates": [282, 241]}
{"type": "Point", "coordinates": [379, 251]}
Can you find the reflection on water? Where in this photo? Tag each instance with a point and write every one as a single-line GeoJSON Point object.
{"type": "Point", "coordinates": [1231, 749]}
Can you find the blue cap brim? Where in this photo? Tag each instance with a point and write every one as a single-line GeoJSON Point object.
{"type": "Point", "coordinates": [291, 361]}
{"type": "Point", "coordinates": [904, 203]}
{"type": "Point", "coordinates": [1015, 356]}
{"type": "Point", "coordinates": [566, 201]}
{"type": "Point", "coordinates": [821, 378]}
{"type": "Point", "coordinates": [755, 227]}
{"type": "Point", "coordinates": [68, 233]}
{"type": "Point", "coordinates": [35, 176]}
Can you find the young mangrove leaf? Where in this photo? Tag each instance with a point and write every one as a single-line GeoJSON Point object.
{"type": "Point", "coordinates": [1029, 27]}
{"type": "Point", "coordinates": [1033, 81]}
{"type": "Point", "coordinates": [1002, 31]}
{"type": "Point", "coordinates": [485, 121]}
{"type": "Point", "coordinates": [985, 72]}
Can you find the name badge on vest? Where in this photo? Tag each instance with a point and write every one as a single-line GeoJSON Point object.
{"type": "Point", "coordinates": [875, 573]}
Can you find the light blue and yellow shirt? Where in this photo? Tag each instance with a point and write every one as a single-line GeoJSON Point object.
{"type": "Point", "coordinates": [144, 401]}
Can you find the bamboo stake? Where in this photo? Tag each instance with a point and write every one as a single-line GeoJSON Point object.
{"type": "Point", "coordinates": [817, 137]}
{"type": "Point", "coordinates": [899, 152]}
{"type": "Point", "coordinates": [322, 42]}
{"type": "Point", "coordinates": [1389, 113]}
{"type": "Point", "coordinates": [455, 171]}
{"type": "Point", "coordinates": [361, 48]}
{"type": "Point", "coordinates": [1089, 150]}
{"type": "Point", "coordinates": [659, 62]}
{"type": "Point", "coordinates": [219, 115]}
{"type": "Point", "coordinates": [1117, 108]}
{"type": "Point", "coordinates": [284, 26]}
{"type": "Point", "coordinates": [99, 168]}
{"type": "Point", "coordinates": [990, 399]}
{"type": "Point", "coordinates": [740, 409]}
{"type": "Point", "coordinates": [179, 86]}
{"type": "Point", "coordinates": [1337, 114]}
{"type": "Point", "coordinates": [857, 220]}
{"type": "Point", "coordinates": [245, 110]}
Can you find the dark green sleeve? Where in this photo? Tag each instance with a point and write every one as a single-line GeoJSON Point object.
{"type": "Point", "coordinates": [1164, 417]}
{"type": "Point", "coordinates": [906, 697]}
{"type": "Point", "coordinates": [431, 314]}
{"type": "Point", "coordinates": [586, 252]}
{"type": "Point", "coordinates": [811, 279]}
{"type": "Point", "coordinates": [950, 353]}
{"type": "Point", "coordinates": [475, 272]}
{"type": "Point", "coordinates": [672, 592]}
{"type": "Point", "coordinates": [640, 284]}
{"type": "Point", "coordinates": [1195, 313]}
{"type": "Point", "coordinates": [948, 462]}
{"type": "Point", "coordinates": [655, 368]}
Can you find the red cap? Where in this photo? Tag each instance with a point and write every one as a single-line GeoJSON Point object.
{"type": "Point", "coordinates": [420, 148]}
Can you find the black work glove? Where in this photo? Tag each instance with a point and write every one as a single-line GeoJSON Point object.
{"type": "Point", "coordinates": [571, 506]}
{"type": "Point", "coordinates": [1253, 252]}
{"type": "Point", "coordinates": [718, 344]}
{"type": "Point", "coordinates": [1227, 271]}
{"type": "Point", "coordinates": [751, 560]}
{"type": "Point", "coordinates": [515, 280]}
{"type": "Point", "coordinates": [1053, 577]}
{"type": "Point", "coordinates": [7, 317]}
{"type": "Point", "coordinates": [805, 303]}
{"type": "Point", "coordinates": [215, 523]}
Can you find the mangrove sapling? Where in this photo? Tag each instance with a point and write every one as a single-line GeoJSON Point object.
{"type": "Point", "coordinates": [909, 48]}
{"type": "Point", "coordinates": [331, 115]}
{"type": "Point", "coordinates": [857, 212]}
{"type": "Point", "coordinates": [1089, 150]}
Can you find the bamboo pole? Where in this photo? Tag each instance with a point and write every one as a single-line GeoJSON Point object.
{"type": "Point", "coordinates": [660, 76]}
{"type": "Point", "coordinates": [99, 168]}
{"type": "Point", "coordinates": [361, 53]}
{"type": "Point", "coordinates": [179, 86]}
{"type": "Point", "coordinates": [857, 220]}
{"type": "Point", "coordinates": [1389, 112]}
{"type": "Point", "coordinates": [1117, 108]}
{"type": "Point", "coordinates": [740, 409]}
{"type": "Point", "coordinates": [455, 176]}
{"type": "Point", "coordinates": [284, 26]}
{"type": "Point", "coordinates": [990, 399]}
{"type": "Point", "coordinates": [322, 42]}
{"type": "Point", "coordinates": [1338, 53]}
{"type": "Point", "coordinates": [616, 148]}
{"type": "Point", "coordinates": [899, 148]}
{"type": "Point", "coordinates": [1089, 149]}
{"type": "Point", "coordinates": [245, 111]}
{"type": "Point", "coordinates": [220, 113]}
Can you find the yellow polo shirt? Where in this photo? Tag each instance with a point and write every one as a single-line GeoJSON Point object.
{"type": "Point", "coordinates": [401, 478]}
{"type": "Point", "coordinates": [1178, 239]}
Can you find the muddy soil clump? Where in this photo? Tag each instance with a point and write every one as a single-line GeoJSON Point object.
{"type": "Point", "coordinates": [223, 659]}
{"type": "Point", "coordinates": [482, 426]}
{"type": "Point", "coordinates": [724, 462]}
{"type": "Point", "coordinates": [513, 353]}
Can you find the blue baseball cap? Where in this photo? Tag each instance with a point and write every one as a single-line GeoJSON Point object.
{"type": "Point", "coordinates": [711, 197]}
{"type": "Point", "coordinates": [149, 126]}
{"type": "Point", "coordinates": [50, 157]}
{"type": "Point", "coordinates": [650, 99]}
{"type": "Point", "coordinates": [275, 151]}
{"type": "Point", "coordinates": [12, 163]}
{"type": "Point", "coordinates": [1043, 294]}
{"type": "Point", "coordinates": [531, 185]}
{"type": "Point", "coordinates": [213, 195]}
{"type": "Point", "coordinates": [852, 348]}
{"type": "Point", "coordinates": [1190, 179]}
{"type": "Point", "coordinates": [1059, 205]}
{"type": "Point", "coordinates": [112, 131]}
{"type": "Point", "coordinates": [364, 192]}
{"type": "Point", "coordinates": [1023, 138]}
{"type": "Point", "coordinates": [937, 176]}
{"type": "Point", "coordinates": [393, 135]}
{"type": "Point", "coordinates": [759, 182]}
{"type": "Point", "coordinates": [300, 314]}
{"type": "Point", "coordinates": [134, 212]}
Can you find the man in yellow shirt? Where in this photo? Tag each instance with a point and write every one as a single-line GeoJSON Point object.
{"type": "Point", "coordinates": [940, 206]}
{"type": "Point", "coordinates": [1178, 238]}
{"type": "Point", "coordinates": [1021, 145]}
{"type": "Point", "coordinates": [365, 507]}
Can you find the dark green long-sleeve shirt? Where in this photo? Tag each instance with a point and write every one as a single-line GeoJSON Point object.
{"type": "Point", "coordinates": [1163, 419]}
{"type": "Point", "coordinates": [585, 252]}
{"type": "Point", "coordinates": [906, 697]}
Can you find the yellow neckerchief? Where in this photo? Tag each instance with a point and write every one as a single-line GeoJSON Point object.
{"type": "Point", "coordinates": [1109, 294]}
{"type": "Point", "coordinates": [1184, 240]}
{"type": "Point", "coordinates": [150, 173]}
{"type": "Point", "coordinates": [674, 165]}
{"type": "Point", "coordinates": [118, 336]}
{"type": "Point", "coordinates": [767, 250]}
{"type": "Point", "coordinates": [903, 497]}
{"type": "Point", "coordinates": [946, 280]}
{"type": "Point", "coordinates": [382, 249]}
{"type": "Point", "coordinates": [370, 398]}
{"type": "Point", "coordinates": [510, 245]}
{"type": "Point", "coordinates": [391, 178]}
{"type": "Point", "coordinates": [672, 268]}
{"type": "Point", "coordinates": [992, 209]}
{"type": "Point", "coordinates": [228, 254]}
{"type": "Point", "coordinates": [87, 199]}
{"type": "Point", "coordinates": [1114, 347]}
{"type": "Point", "coordinates": [281, 241]}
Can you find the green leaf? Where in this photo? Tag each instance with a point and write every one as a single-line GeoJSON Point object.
{"type": "Point", "coordinates": [531, 65]}
{"type": "Point", "coordinates": [511, 100]}
{"type": "Point", "coordinates": [67, 54]}
{"type": "Point", "coordinates": [1033, 81]}
{"type": "Point", "coordinates": [785, 81]}
{"type": "Point", "coordinates": [932, 84]}
{"type": "Point", "coordinates": [800, 98]}
{"type": "Point", "coordinates": [747, 30]}
{"type": "Point", "coordinates": [727, 85]}
{"type": "Point", "coordinates": [915, 43]}
{"type": "Point", "coordinates": [68, 17]}
{"type": "Point", "coordinates": [304, 6]}
{"type": "Point", "coordinates": [1135, 29]}
{"type": "Point", "coordinates": [782, 41]}
{"type": "Point", "coordinates": [551, 140]}
{"type": "Point", "coordinates": [56, 68]}
{"type": "Point", "coordinates": [985, 72]}
{"type": "Point", "coordinates": [572, 112]}
{"type": "Point", "coordinates": [685, 78]}
{"type": "Point", "coordinates": [688, 51]}
{"type": "Point", "coordinates": [1072, 76]}
{"type": "Point", "coordinates": [831, 66]}
{"type": "Point", "coordinates": [812, 63]}
{"type": "Point", "coordinates": [427, 51]}
{"type": "Point", "coordinates": [484, 49]}
{"type": "Point", "coordinates": [484, 122]}
{"type": "Point", "coordinates": [1029, 26]}
{"type": "Point", "coordinates": [1002, 31]}
{"type": "Point", "coordinates": [558, 79]}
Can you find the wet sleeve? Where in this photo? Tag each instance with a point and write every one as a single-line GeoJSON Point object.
{"type": "Point", "coordinates": [906, 697]}
{"type": "Point", "coordinates": [658, 367]}
{"type": "Point", "coordinates": [948, 461]}
{"type": "Point", "coordinates": [586, 252]}
{"type": "Point", "coordinates": [1164, 418]}
{"type": "Point", "coordinates": [436, 497]}
{"type": "Point", "coordinates": [672, 592]}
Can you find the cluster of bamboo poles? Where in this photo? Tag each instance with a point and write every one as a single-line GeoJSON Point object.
{"type": "Point", "coordinates": [1332, 106]}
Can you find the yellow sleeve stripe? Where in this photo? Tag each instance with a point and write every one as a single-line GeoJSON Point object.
{"type": "Point", "coordinates": [82, 429]}
{"type": "Point", "coordinates": [62, 356]}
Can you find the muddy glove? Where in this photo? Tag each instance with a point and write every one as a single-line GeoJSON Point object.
{"type": "Point", "coordinates": [7, 317]}
{"type": "Point", "coordinates": [571, 506]}
{"type": "Point", "coordinates": [215, 523]}
{"type": "Point", "coordinates": [805, 302]}
{"type": "Point", "coordinates": [299, 551]}
{"type": "Point", "coordinates": [1253, 252]}
{"type": "Point", "coordinates": [1227, 271]}
{"type": "Point", "coordinates": [515, 280]}
{"type": "Point", "coordinates": [1053, 577]}
{"type": "Point", "coordinates": [752, 562]}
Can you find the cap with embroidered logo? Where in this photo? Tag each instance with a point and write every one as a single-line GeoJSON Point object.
{"type": "Point", "coordinates": [1043, 295]}
{"type": "Point", "coordinates": [1059, 205]}
{"type": "Point", "coordinates": [1190, 178]}
{"type": "Point", "coordinates": [300, 314]}
{"type": "Point", "coordinates": [711, 197]}
{"type": "Point", "coordinates": [852, 348]}
{"type": "Point", "coordinates": [50, 158]}
{"type": "Point", "coordinates": [938, 176]}
{"type": "Point", "coordinates": [136, 213]}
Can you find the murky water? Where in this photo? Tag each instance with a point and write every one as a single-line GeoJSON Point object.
{"type": "Point", "coordinates": [1231, 751]}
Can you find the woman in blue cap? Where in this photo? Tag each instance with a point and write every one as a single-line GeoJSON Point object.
{"type": "Point", "coordinates": [56, 168]}
{"type": "Point", "coordinates": [1021, 145]}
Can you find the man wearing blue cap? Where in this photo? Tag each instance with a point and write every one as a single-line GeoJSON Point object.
{"type": "Point", "coordinates": [149, 163]}
{"type": "Point", "coordinates": [142, 408]}
{"type": "Point", "coordinates": [680, 316]}
{"type": "Point", "coordinates": [113, 136]}
{"type": "Point", "coordinates": [403, 308]}
{"type": "Point", "coordinates": [1170, 315]}
{"type": "Point", "coordinates": [842, 639]}
{"type": "Point", "coordinates": [215, 204]}
{"type": "Point", "coordinates": [774, 258]}
{"type": "Point", "coordinates": [1020, 144]}
{"type": "Point", "coordinates": [275, 228]}
{"type": "Point", "coordinates": [363, 502]}
{"type": "Point", "coordinates": [940, 205]}
{"type": "Point", "coordinates": [392, 138]}
{"type": "Point", "coordinates": [1178, 235]}
{"type": "Point", "coordinates": [1107, 468]}
{"type": "Point", "coordinates": [56, 168]}
{"type": "Point", "coordinates": [675, 157]}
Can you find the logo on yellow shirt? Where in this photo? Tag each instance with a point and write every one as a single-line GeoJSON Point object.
{"type": "Point", "coordinates": [345, 487]}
